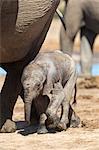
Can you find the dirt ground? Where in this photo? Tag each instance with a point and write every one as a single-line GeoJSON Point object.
{"type": "Point", "coordinates": [83, 138]}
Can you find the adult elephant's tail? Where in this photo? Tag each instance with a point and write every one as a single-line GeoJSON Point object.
{"type": "Point", "coordinates": [60, 15]}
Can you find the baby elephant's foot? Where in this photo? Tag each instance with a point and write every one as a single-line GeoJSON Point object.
{"type": "Point", "coordinates": [53, 119]}
{"type": "Point", "coordinates": [62, 126]}
{"type": "Point", "coordinates": [75, 121]}
{"type": "Point", "coordinates": [42, 130]}
{"type": "Point", "coordinates": [8, 127]}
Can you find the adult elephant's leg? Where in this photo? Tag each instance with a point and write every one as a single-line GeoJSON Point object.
{"type": "Point", "coordinates": [11, 89]}
{"type": "Point", "coordinates": [87, 40]}
{"type": "Point", "coordinates": [73, 18]}
{"type": "Point", "coordinates": [63, 32]}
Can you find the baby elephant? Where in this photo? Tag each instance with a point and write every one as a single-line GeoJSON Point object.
{"type": "Point", "coordinates": [50, 79]}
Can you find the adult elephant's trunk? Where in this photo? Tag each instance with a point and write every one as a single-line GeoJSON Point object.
{"type": "Point", "coordinates": [28, 111]}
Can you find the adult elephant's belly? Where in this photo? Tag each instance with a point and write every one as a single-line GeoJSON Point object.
{"type": "Point", "coordinates": [22, 22]}
{"type": "Point", "coordinates": [91, 14]}
{"type": "Point", "coordinates": [93, 25]}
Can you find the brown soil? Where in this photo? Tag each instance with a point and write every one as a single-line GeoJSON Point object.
{"type": "Point", "coordinates": [82, 138]}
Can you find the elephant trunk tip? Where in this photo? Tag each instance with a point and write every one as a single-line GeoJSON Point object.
{"type": "Point", "coordinates": [27, 112]}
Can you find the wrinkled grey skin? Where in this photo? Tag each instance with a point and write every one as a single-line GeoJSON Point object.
{"type": "Point", "coordinates": [23, 28]}
{"type": "Point", "coordinates": [51, 74]}
{"type": "Point", "coordinates": [83, 15]}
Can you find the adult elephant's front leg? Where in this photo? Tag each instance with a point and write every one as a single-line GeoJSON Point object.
{"type": "Point", "coordinates": [73, 18]}
{"type": "Point", "coordinates": [87, 40]}
{"type": "Point", "coordinates": [11, 89]}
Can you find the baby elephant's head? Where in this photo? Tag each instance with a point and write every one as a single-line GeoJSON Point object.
{"type": "Point", "coordinates": [33, 79]}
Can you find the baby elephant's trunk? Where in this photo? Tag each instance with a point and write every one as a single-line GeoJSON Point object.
{"type": "Point", "coordinates": [28, 111]}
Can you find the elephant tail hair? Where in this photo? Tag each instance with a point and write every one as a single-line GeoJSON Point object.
{"type": "Point", "coordinates": [60, 15]}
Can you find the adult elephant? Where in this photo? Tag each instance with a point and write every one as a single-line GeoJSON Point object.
{"type": "Point", "coordinates": [83, 15]}
{"type": "Point", "coordinates": [23, 28]}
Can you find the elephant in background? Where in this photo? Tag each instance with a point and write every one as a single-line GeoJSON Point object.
{"type": "Point", "coordinates": [81, 15]}
{"type": "Point", "coordinates": [23, 28]}
{"type": "Point", "coordinates": [49, 82]}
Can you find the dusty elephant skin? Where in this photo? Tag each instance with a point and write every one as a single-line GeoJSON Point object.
{"type": "Point", "coordinates": [23, 28]}
{"type": "Point", "coordinates": [83, 15]}
{"type": "Point", "coordinates": [51, 74]}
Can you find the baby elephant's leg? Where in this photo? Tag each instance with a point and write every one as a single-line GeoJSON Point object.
{"type": "Point", "coordinates": [74, 119]}
{"type": "Point", "coordinates": [68, 90]}
{"type": "Point", "coordinates": [55, 102]}
{"type": "Point", "coordinates": [62, 125]}
{"type": "Point", "coordinates": [42, 127]}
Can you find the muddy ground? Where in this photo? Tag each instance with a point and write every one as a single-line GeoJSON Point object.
{"type": "Point", "coordinates": [83, 138]}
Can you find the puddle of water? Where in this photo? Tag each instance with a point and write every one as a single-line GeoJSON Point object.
{"type": "Point", "coordinates": [95, 69]}
{"type": "Point", "coordinates": [2, 71]}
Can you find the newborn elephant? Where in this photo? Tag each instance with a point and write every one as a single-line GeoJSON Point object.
{"type": "Point", "coordinates": [51, 74]}
{"type": "Point", "coordinates": [83, 15]}
{"type": "Point", "coordinates": [23, 28]}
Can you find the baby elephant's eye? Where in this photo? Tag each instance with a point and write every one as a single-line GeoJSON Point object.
{"type": "Point", "coordinates": [37, 84]}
